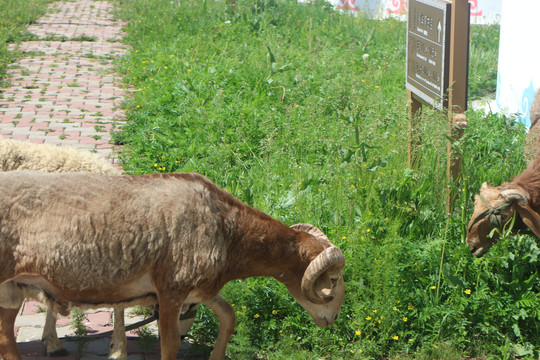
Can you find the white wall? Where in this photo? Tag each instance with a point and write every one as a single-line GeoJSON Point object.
{"type": "Point", "coordinates": [482, 11]}
{"type": "Point", "coordinates": [519, 57]}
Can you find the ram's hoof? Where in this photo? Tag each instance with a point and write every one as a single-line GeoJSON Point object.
{"type": "Point", "coordinates": [58, 353]}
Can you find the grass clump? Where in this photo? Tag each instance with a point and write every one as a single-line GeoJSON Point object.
{"type": "Point", "coordinates": [16, 16]}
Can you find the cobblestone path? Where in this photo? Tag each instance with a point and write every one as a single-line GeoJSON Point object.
{"type": "Point", "coordinates": [63, 89]}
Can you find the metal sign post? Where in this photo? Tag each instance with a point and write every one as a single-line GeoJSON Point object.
{"type": "Point", "coordinates": [457, 93]}
{"type": "Point", "coordinates": [437, 69]}
{"type": "Point", "coordinates": [427, 64]}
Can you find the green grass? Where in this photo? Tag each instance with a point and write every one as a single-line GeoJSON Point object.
{"type": "Point", "coordinates": [276, 103]}
{"type": "Point", "coordinates": [16, 16]}
{"type": "Point", "coordinates": [484, 54]}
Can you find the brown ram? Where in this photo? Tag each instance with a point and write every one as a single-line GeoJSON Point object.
{"type": "Point", "coordinates": [90, 239]}
{"type": "Point", "coordinates": [495, 206]}
{"type": "Point", "coordinates": [48, 158]}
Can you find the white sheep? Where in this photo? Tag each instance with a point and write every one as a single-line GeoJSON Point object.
{"type": "Point", "coordinates": [18, 155]}
{"type": "Point", "coordinates": [78, 239]}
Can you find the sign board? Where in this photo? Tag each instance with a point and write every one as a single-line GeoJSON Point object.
{"type": "Point", "coordinates": [428, 40]}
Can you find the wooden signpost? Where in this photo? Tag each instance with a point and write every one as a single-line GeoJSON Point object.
{"type": "Point", "coordinates": [437, 72]}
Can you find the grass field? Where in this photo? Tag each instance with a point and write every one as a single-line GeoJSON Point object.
{"type": "Point", "coordinates": [302, 112]}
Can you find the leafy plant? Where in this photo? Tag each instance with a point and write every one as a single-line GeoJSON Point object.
{"type": "Point", "coordinates": [77, 323]}
{"type": "Point", "coordinates": [146, 340]}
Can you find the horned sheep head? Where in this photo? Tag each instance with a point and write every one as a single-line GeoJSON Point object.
{"type": "Point", "coordinates": [494, 207]}
{"type": "Point", "coordinates": [322, 287]}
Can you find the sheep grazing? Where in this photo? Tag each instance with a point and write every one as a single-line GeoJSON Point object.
{"type": "Point", "coordinates": [17, 155]}
{"type": "Point", "coordinates": [80, 239]}
{"type": "Point", "coordinates": [494, 207]}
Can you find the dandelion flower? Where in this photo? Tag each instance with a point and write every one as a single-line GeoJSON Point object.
{"type": "Point", "coordinates": [468, 291]}
{"type": "Point", "coordinates": [433, 287]}
{"type": "Point", "coordinates": [405, 319]}
{"type": "Point", "coordinates": [256, 316]}
{"type": "Point", "coordinates": [395, 337]}
{"type": "Point", "coordinates": [274, 312]}
{"type": "Point", "coordinates": [368, 318]}
{"type": "Point", "coordinates": [358, 332]}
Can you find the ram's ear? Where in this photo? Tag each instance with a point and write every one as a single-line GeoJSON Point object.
{"type": "Point", "coordinates": [530, 218]}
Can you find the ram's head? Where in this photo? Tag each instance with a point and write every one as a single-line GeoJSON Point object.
{"type": "Point", "coordinates": [320, 289]}
{"type": "Point", "coordinates": [494, 207]}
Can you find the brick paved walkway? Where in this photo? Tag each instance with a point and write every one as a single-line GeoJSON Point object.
{"type": "Point", "coordinates": [63, 91]}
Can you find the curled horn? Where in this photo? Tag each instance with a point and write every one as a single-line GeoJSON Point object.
{"type": "Point", "coordinates": [330, 260]}
{"type": "Point", "coordinates": [312, 230]}
{"type": "Point", "coordinates": [520, 196]}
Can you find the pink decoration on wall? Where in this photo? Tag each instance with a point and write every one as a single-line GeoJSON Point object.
{"type": "Point", "coordinates": [399, 7]}
{"type": "Point", "coordinates": [347, 5]}
{"type": "Point", "coordinates": [474, 8]}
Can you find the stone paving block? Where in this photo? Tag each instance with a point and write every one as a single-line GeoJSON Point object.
{"type": "Point", "coordinates": [33, 320]}
{"type": "Point", "coordinates": [29, 333]}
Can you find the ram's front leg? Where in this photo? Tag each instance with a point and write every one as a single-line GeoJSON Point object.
{"type": "Point", "coordinates": [227, 322]}
{"type": "Point", "coordinates": [8, 344]}
{"type": "Point", "coordinates": [118, 345]}
{"type": "Point", "coordinates": [53, 345]}
{"type": "Point", "coordinates": [169, 312]}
